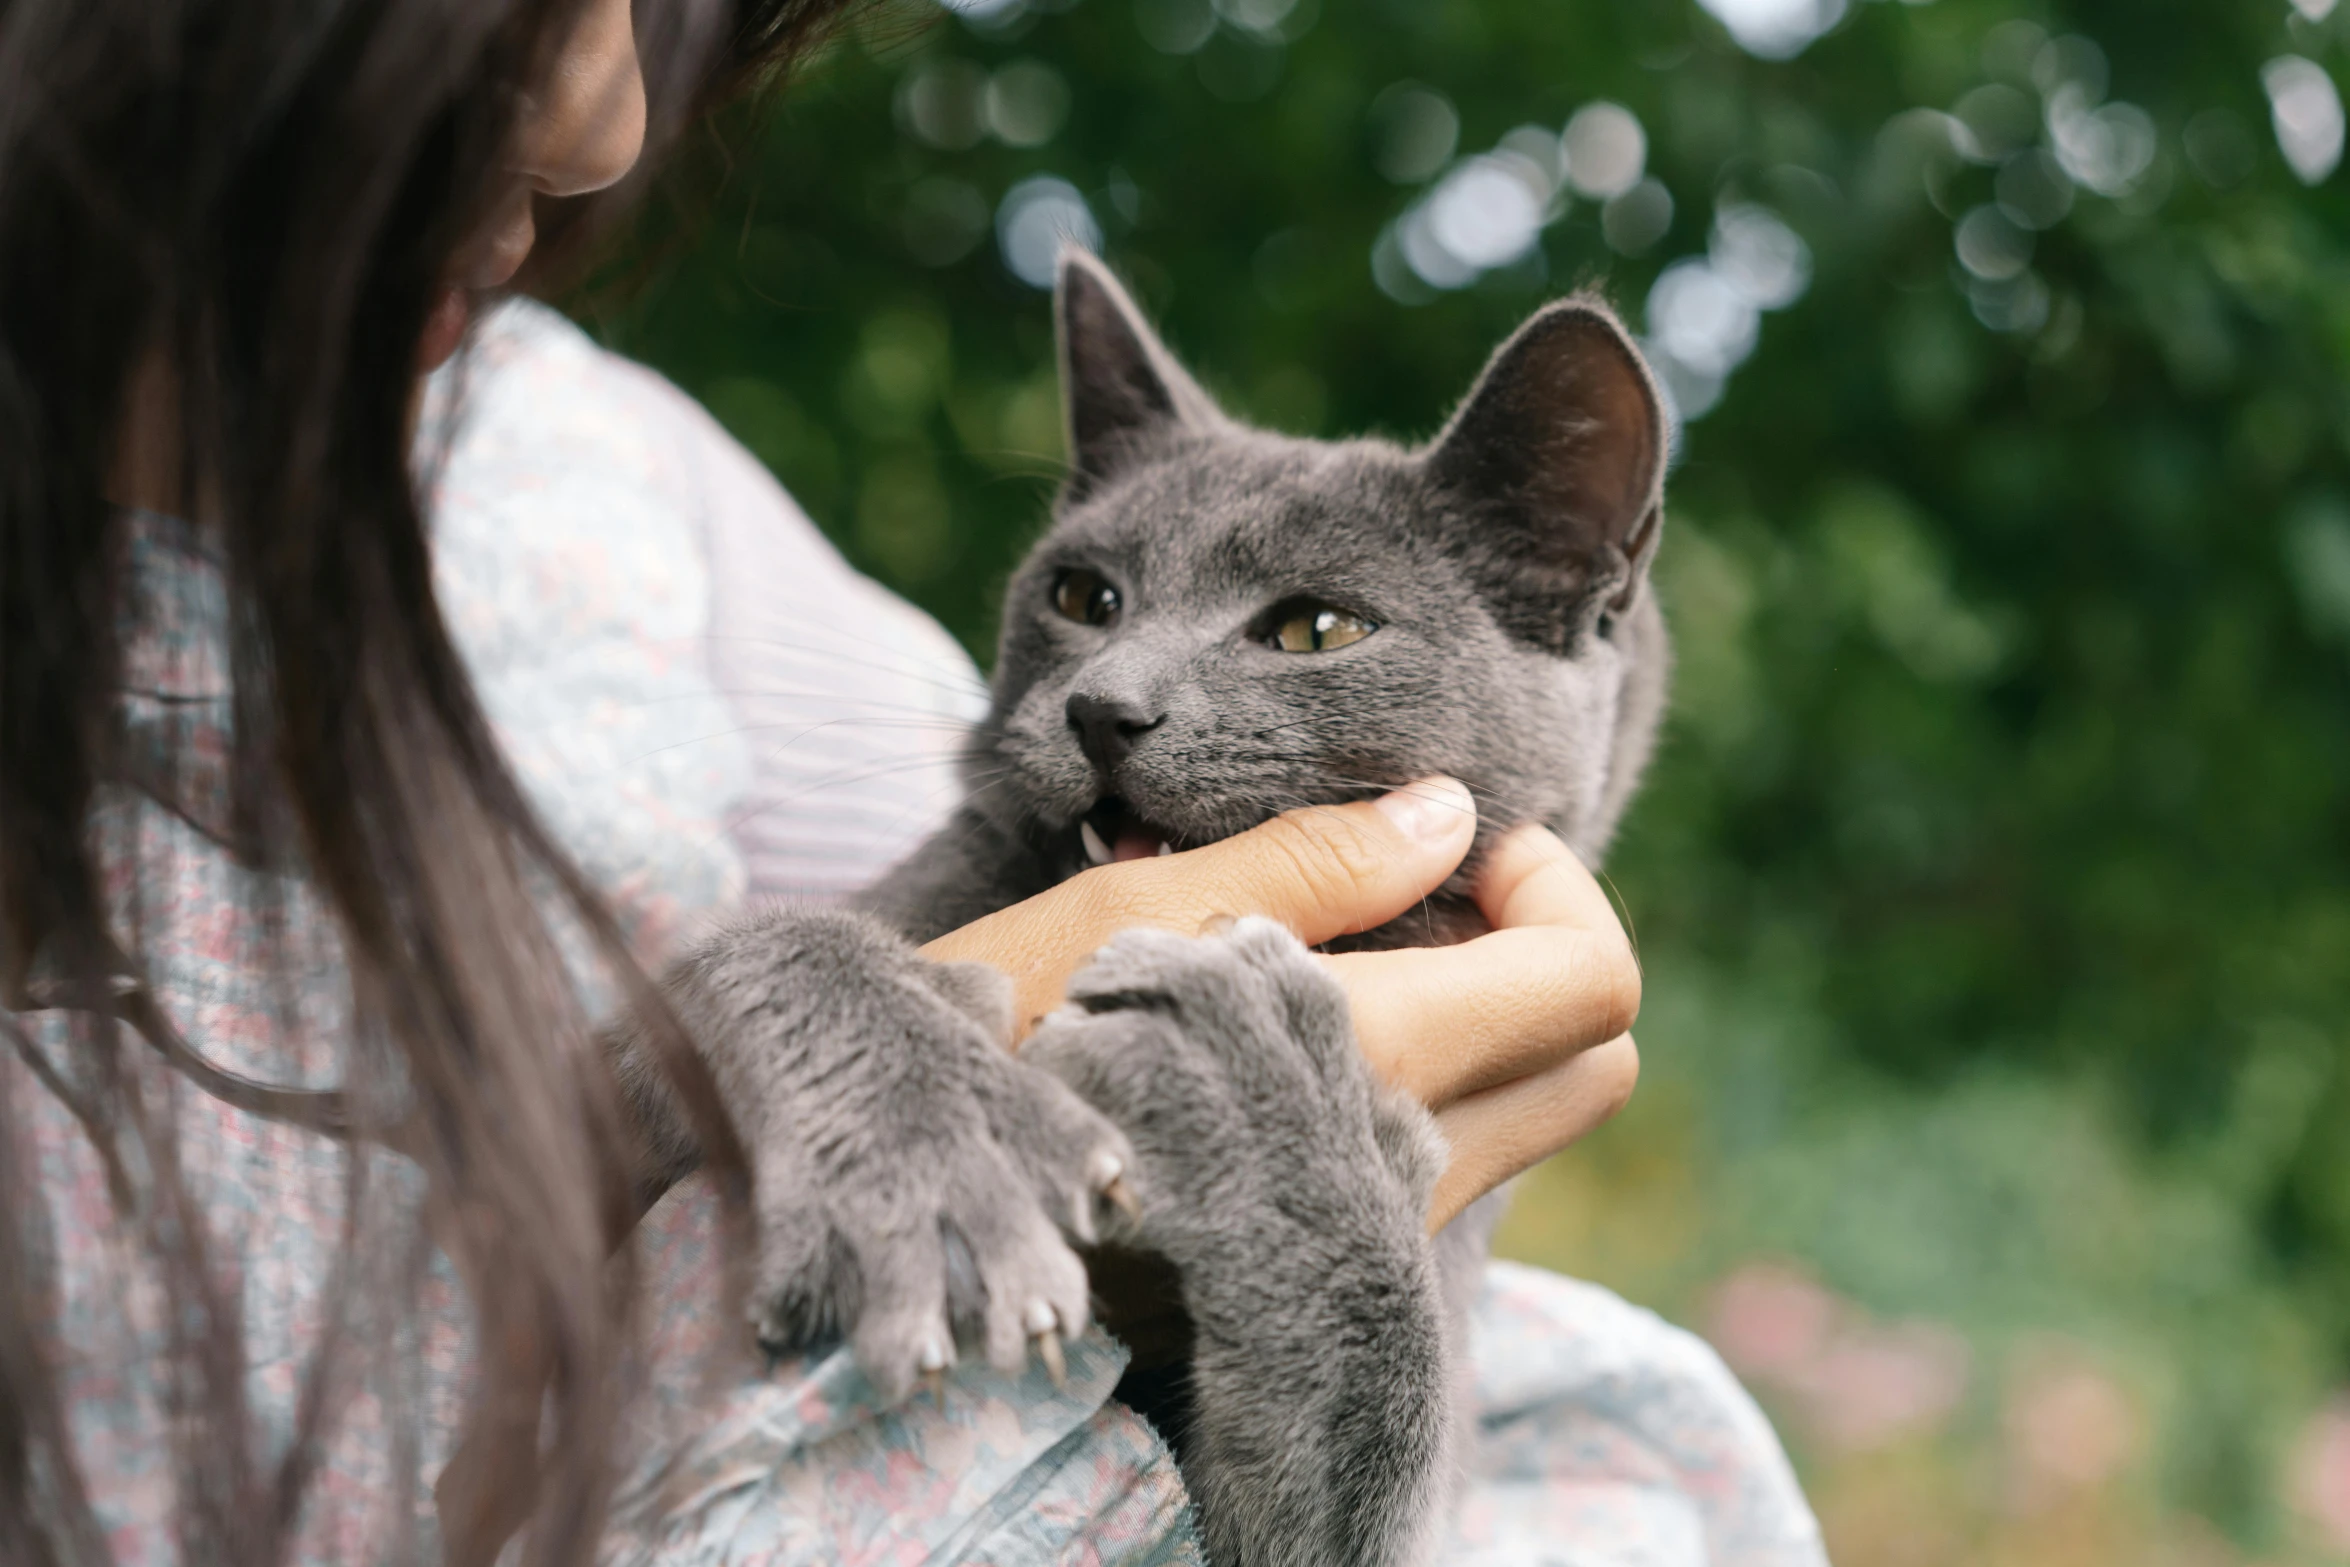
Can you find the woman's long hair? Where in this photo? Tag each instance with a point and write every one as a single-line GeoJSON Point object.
{"type": "Point", "coordinates": [242, 211]}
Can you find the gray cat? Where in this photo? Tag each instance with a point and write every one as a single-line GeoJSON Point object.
{"type": "Point", "coordinates": [1221, 625]}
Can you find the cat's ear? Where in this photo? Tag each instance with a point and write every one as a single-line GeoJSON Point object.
{"type": "Point", "coordinates": [1557, 459]}
{"type": "Point", "coordinates": [1119, 385]}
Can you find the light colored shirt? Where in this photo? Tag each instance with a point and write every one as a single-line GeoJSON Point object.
{"type": "Point", "coordinates": [707, 704]}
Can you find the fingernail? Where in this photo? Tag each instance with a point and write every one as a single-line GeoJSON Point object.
{"type": "Point", "coordinates": [1430, 811]}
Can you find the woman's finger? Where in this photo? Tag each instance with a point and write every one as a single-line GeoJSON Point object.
{"type": "Point", "coordinates": [1323, 871]}
{"type": "Point", "coordinates": [1554, 977]}
{"type": "Point", "coordinates": [1443, 1023]}
{"type": "Point", "coordinates": [1531, 878]}
{"type": "Point", "coordinates": [1504, 1131]}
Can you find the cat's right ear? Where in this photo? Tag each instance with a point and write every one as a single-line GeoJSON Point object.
{"type": "Point", "coordinates": [1120, 387]}
{"type": "Point", "coordinates": [1558, 454]}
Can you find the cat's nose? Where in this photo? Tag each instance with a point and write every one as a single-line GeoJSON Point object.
{"type": "Point", "coordinates": [1108, 727]}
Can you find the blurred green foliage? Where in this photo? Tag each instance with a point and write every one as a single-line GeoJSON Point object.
{"type": "Point", "coordinates": [1994, 880]}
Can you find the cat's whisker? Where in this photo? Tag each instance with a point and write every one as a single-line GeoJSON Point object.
{"type": "Point", "coordinates": [896, 659]}
{"type": "Point", "coordinates": [801, 732]}
{"type": "Point", "coordinates": [1624, 913]}
{"type": "Point", "coordinates": [911, 711]}
{"type": "Point", "coordinates": [1507, 804]}
{"type": "Point", "coordinates": [1376, 786]}
{"type": "Point", "coordinates": [1294, 723]}
{"type": "Point", "coordinates": [880, 712]}
{"type": "Point", "coordinates": [844, 779]}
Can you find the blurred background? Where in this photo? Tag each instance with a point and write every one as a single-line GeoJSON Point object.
{"type": "Point", "coordinates": [1993, 882]}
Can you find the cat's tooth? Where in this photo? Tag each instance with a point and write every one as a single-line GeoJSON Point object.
{"type": "Point", "coordinates": [1166, 848]}
{"type": "Point", "coordinates": [932, 1357]}
{"type": "Point", "coordinates": [1095, 850]}
{"type": "Point", "coordinates": [1040, 1318]}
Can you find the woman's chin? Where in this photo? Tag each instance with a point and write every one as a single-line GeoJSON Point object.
{"type": "Point", "coordinates": [444, 329]}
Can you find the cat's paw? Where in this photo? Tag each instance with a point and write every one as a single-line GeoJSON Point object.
{"type": "Point", "coordinates": [1290, 1193]}
{"type": "Point", "coordinates": [916, 1185]}
{"type": "Point", "coordinates": [931, 1205]}
{"type": "Point", "coordinates": [1230, 1062]}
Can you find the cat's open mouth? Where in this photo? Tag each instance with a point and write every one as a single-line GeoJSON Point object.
{"type": "Point", "coordinates": [1111, 831]}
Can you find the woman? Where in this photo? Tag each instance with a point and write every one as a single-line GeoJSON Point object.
{"type": "Point", "coordinates": [254, 826]}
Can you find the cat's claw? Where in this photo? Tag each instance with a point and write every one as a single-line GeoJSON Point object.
{"type": "Point", "coordinates": [914, 1179]}
{"type": "Point", "coordinates": [931, 1362]}
{"type": "Point", "coordinates": [1044, 1328]}
{"type": "Point", "coordinates": [1109, 1180]}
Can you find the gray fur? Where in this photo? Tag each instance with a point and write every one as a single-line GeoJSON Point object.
{"type": "Point", "coordinates": [1506, 563]}
{"type": "Point", "coordinates": [1272, 1165]}
{"type": "Point", "coordinates": [1518, 648]}
{"type": "Point", "coordinates": [915, 1182]}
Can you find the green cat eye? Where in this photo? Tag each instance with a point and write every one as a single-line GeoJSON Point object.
{"type": "Point", "coordinates": [1084, 597]}
{"type": "Point", "coordinates": [1318, 628]}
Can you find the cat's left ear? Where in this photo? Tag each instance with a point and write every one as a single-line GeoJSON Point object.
{"type": "Point", "coordinates": [1556, 459]}
{"type": "Point", "coordinates": [1120, 388]}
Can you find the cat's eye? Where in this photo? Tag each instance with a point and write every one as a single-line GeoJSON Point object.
{"type": "Point", "coordinates": [1083, 596]}
{"type": "Point", "coordinates": [1316, 628]}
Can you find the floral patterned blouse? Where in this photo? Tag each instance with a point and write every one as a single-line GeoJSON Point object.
{"type": "Point", "coordinates": [707, 704]}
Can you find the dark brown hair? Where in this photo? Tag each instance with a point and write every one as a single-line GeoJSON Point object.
{"type": "Point", "coordinates": [255, 203]}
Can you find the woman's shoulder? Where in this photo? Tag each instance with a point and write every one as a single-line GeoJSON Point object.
{"type": "Point", "coordinates": [704, 698]}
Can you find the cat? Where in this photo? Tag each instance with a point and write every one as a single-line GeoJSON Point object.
{"type": "Point", "coordinates": [1221, 624]}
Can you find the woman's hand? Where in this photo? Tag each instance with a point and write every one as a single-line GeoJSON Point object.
{"type": "Point", "coordinates": [1516, 1040]}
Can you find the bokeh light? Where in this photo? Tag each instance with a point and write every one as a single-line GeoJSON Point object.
{"type": "Point", "coordinates": [1776, 29]}
{"type": "Point", "coordinates": [1605, 149]}
{"type": "Point", "coordinates": [1759, 256]}
{"type": "Point", "coordinates": [1416, 128]}
{"type": "Point", "coordinates": [1175, 26]}
{"type": "Point", "coordinates": [1035, 219]}
{"type": "Point", "coordinates": [1704, 314]}
{"type": "Point", "coordinates": [2108, 148]}
{"type": "Point", "coordinates": [1991, 245]}
{"type": "Point", "coordinates": [1486, 212]}
{"type": "Point", "coordinates": [2306, 108]}
{"type": "Point", "coordinates": [1699, 321]}
{"type": "Point", "coordinates": [1635, 221]}
{"type": "Point", "coordinates": [1025, 103]}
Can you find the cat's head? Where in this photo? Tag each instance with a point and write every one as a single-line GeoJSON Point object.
{"type": "Point", "coordinates": [1223, 623]}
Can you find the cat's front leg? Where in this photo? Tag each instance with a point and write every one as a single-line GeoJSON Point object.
{"type": "Point", "coordinates": [1290, 1193]}
{"type": "Point", "coordinates": [916, 1183]}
